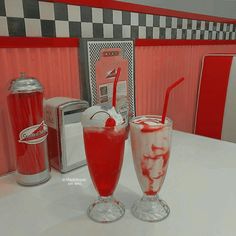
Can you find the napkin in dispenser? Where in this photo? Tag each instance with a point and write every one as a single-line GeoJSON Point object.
{"type": "Point", "coordinates": [65, 133]}
{"type": "Point", "coordinates": [74, 149]}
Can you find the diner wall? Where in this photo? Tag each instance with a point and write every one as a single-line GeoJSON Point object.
{"type": "Point", "coordinates": [107, 19]}
{"type": "Point", "coordinates": [155, 68]}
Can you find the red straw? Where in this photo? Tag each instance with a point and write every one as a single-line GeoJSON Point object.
{"type": "Point", "coordinates": [115, 87]}
{"type": "Point", "coordinates": [167, 98]}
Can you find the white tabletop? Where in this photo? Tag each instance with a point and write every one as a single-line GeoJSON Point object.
{"type": "Point", "coordinates": [199, 189]}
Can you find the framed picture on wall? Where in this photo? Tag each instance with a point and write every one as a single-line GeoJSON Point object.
{"type": "Point", "coordinates": [99, 60]}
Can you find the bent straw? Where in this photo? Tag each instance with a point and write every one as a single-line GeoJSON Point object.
{"type": "Point", "coordinates": [115, 87]}
{"type": "Point", "coordinates": [168, 90]}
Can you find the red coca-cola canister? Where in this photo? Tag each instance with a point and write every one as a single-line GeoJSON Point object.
{"type": "Point", "coordinates": [25, 104]}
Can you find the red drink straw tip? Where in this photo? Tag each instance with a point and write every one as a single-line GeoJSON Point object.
{"type": "Point", "coordinates": [115, 87]}
{"type": "Point", "coordinates": [168, 90]}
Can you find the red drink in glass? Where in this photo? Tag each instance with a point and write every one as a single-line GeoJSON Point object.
{"type": "Point", "coordinates": [104, 149]}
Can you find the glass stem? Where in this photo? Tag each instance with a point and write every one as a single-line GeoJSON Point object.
{"type": "Point", "coordinates": [105, 199]}
{"type": "Point", "coordinates": [150, 197]}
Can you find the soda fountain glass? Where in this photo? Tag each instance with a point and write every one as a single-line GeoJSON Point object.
{"type": "Point", "coordinates": [150, 141]}
{"type": "Point", "coordinates": [104, 148]}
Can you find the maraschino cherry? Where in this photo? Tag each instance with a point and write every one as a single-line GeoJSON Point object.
{"type": "Point", "coordinates": [110, 122]}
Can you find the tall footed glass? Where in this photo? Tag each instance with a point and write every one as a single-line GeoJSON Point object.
{"type": "Point", "coordinates": [104, 147]}
{"type": "Point", "coordinates": [150, 141]}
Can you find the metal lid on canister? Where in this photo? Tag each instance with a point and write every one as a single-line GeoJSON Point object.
{"type": "Point", "coordinates": [25, 84]}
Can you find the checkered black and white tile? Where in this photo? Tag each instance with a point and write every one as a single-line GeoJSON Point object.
{"type": "Point", "coordinates": [34, 18]}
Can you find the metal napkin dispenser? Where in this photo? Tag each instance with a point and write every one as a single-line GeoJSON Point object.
{"type": "Point", "coordinates": [65, 132]}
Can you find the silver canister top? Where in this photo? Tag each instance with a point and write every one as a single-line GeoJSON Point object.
{"type": "Point", "coordinates": [25, 84]}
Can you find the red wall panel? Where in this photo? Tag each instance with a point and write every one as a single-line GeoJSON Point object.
{"type": "Point", "coordinates": [56, 68]}
{"type": "Point", "coordinates": [211, 103]}
{"type": "Point", "coordinates": [156, 67]}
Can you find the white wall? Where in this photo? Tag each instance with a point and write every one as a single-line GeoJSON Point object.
{"type": "Point", "coordinates": [223, 8]}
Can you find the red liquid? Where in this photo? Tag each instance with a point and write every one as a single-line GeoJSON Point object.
{"type": "Point", "coordinates": [104, 149]}
{"type": "Point", "coordinates": [27, 110]}
{"type": "Point", "coordinates": [146, 171]}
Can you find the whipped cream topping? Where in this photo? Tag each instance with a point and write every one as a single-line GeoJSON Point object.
{"type": "Point", "coordinates": [97, 116]}
{"type": "Point", "coordinates": [149, 120]}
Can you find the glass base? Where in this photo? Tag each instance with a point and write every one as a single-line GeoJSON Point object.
{"type": "Point", "coordinates": [106, 209]}
{"type": "Point", "coordinates": [150, 208]}
{"type": "Point", "coordinates": [34, 179]}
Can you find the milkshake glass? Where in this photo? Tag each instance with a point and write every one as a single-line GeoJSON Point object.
{"type": "Point", "coordinates": [150, 141]}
